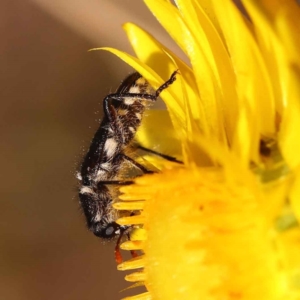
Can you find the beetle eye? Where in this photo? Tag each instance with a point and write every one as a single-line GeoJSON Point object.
{"type": "Point", "coordinates": [109, 231]}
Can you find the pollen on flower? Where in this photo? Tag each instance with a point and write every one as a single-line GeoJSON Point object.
{"type": "Point", "coordinates": [184, 258]}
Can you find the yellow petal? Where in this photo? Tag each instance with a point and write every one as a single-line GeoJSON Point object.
{"type": "Point", "coordinates": [269, 42]}
{"type": "Point", "coordinates": [171, 20]}
{"type": "Point", "coordinates": [253, 84]}
{"type": "Point", "coordinates": [130, 245]}
{"type": "Point", "coordinates": [224, 71]}
{"type": "Point", "coordinates": [134, 263]}
{"type": "Point", "coordinates": [288, 27]}
{"type": "Point", "coordinates": [242, 144]}
{"type": "Point", "coordinates": [283, 17]}
{"type": "Point", "coordinates": [290, 128]}
{"type": "Point", "coordinates": [137, 276]}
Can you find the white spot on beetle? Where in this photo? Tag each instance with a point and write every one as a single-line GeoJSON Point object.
{"type": "Point", "coordinates": [129, 100]}
{"type": "Point", "coordinates": [134, 90]}
{"type": "Point", "coordinates": [86, 190]}
{"type": "Point", "coordinates": [110, 147]}
{"type": "Point", "coordinates": [132, 129]}
{"type": "Point", "coordinates": [105, 167]}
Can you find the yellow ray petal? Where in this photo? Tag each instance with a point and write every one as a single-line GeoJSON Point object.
{"type": "Point", "coordinates": [137, 276]}
{"type": "Point", "coordinates": [283, 17]}
{"type": "Point", "coordinates": [288, 23]}
{"type": "Point", "coordinates": [171, 20]}
{"type": "Point", "coordinates": [132, 245]}
{"type": "Point", "coordinates": [134, 263]}
{"type": "Point", "coordinates": [268, 42]}
{"type": "Point", "coordinates": [208, 9]}
{"type": "Point", "coordinates": [253, 84]}
{"type": "Point", "coordinates": [242, 144]}
{"type": "Point", "coordinates": [290, 128]}
{"type": "Point", "coordinates": [224, 70]}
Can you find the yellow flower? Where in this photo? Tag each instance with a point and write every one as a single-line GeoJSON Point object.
{"type": "Point", "coordinates": [225, 225]}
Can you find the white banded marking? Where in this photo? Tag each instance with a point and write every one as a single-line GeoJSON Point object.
{"type": "Point", "coordinates": [131, 129]}
{"type": "Point", "coordinates": [134, 90]}
{"type": "Point", "coordinates": [105, 167]}
{"type": "Point", "coordinates": [129, 100]}
{"type": "Point", "coordinates": [110, 147]}
{"type": "Point", "coordinates": [86, 190]}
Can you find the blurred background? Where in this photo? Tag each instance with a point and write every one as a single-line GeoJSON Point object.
{"type": "Point", "coordinates": [51, 98]}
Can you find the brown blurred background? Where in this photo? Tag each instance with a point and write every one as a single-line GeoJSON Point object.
{"type": "Point", "coordinates": [51, 93]}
